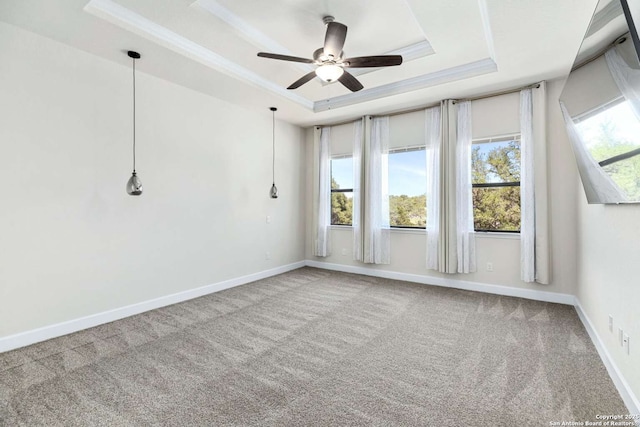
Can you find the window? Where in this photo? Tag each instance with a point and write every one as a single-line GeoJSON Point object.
{"type": "Point", "coordinates": [341, 190]}
{"type": "Point", "coordinates": [407, 188]}
{"type": "Point", "coordinates": [495, 164]}
{"type": "Point", "coordinates": [611, 134]}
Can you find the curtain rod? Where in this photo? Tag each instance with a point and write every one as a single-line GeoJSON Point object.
{"type": "Point", "coordinates": [424, 107]}
{"type": "Point", "coordinates": [346, 122]}
{"type": "Point", "coordinates": [504, 92]}
{"type": "Point", "coordinates": [617, 41]}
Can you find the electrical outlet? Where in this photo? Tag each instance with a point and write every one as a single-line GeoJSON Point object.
{"type": "Point", "coordinates": [625, 341]}
{"type": "Point", "coordinates": [267, 255]}
{"type": "Point", "coordinates": [620, 336]}
{"type": "Point", "coordinates": [344, 251]}
{"type": "Point", "coordinates": [611, 323]}
{"type": "Point", "coordinates": [268, 219]}
{"type": "Point", "coordinates": [489, 266]}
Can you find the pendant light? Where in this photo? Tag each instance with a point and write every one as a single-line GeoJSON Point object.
{"type": "Point", "coordinates": [134, 185]}
{"type": "Point", "coordinates": [274, 189]}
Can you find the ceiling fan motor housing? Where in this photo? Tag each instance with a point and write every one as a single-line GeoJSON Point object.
{"type": "Point", "coordinates": [321, 58]}
{"type": "Point", "coordinates": [328, 19]}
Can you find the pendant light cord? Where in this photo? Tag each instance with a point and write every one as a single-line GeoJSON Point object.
{"type": "Point", "coordinates": [134, 115]}
{"type": "Point", "coordinates": [273, 126]}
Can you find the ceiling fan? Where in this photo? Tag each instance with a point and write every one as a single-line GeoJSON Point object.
{"type": "Point", "coordinates": [331, 62]}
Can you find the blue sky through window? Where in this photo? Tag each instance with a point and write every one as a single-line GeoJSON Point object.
{"type": "Point", "coordinates": [342, 172]}
{"type": "Point", "coordinates": [407, 173]}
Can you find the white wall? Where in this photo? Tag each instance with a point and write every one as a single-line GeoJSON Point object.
{"type": "Point", "coordinates": [608, 260]}
{"type": "Point", "coordinates": [73, 243]}
{"type": "Point", "coordinates": [408, 248]}
{"type": "Point", "coordinates": [607, 257]}
{"type": "Point", "coordinates": [609, 279]}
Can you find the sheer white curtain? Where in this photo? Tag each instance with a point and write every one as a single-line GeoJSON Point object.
{"type": "Point", "coordinates": [357, 196]}
{"type": "Point", "coordinates": [323, 244]}
{"type": "Point", "coordinates": [465, 235]}
{"type": "Point", "coordinates": [527, 191]}
{"type": "Point", "coordinates": [598, 186]}
{"type": "Point", "coordinates": [433, 143]}
{"type": "Point", "coordinates": [376, 210]}
{"type": "Point", "coordinates": [627, 79]}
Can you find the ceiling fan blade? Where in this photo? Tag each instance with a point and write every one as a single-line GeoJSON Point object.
{"type": "Point", "coordinates": [373, 61]}
{"type": "Point", "coordinates": [302, 80]}
{"type": "Point", "coordinates": [285, 57]}
{"type": "Point", "coordinates": [334, 39]}
{"type": "Point", "coordinates": [350, 82]}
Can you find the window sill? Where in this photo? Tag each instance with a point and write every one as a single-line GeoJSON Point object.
{"type": "Point", "coordinates": [393, 230]}
{"type": "Point", "coordinates": [400, 230]}
{"type": "Point", "coordinates": [479, 234]}
{"type": "Point", "coordinates": [340, 227]}
{"type": "Point", "coordinates": [497, 235]}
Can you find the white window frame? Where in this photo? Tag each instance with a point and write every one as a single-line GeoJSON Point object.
{"type": "Point", "coordinates": [499, 138]}
{"type": "Point", "coordinates": [405, 228]}
{"type": "Point", "coordinates": [341, 190]}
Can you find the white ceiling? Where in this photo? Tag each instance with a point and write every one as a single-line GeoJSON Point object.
{"type": "Point", "coordinates": [451, 49]}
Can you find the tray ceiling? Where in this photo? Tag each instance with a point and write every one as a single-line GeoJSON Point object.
{"type": "Point", "coordinates": [450, 49]}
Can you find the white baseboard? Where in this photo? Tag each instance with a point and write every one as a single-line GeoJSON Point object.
{"type": "Point", "coordinates": [22, 339]}
{"type": "Point", "coordinates": [449, 283]}
{"type": "Point", "coordinates": [629, 398]}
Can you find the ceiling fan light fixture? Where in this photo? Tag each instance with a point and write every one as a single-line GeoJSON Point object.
{"type": "Point", "coordinates": [329, 72]}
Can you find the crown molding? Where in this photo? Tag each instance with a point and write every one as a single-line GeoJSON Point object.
{"type": "Point", "coordinates": [465, 71]}
{"type": "Point", "coordinates": [486, 26]}
{"type": "Point", "coordinates": [118, 15]}
{"type": "Point", "coordinates": [247, 31]}
{"type": "Point", "coordinates": [414, 51]}
{"type": "Point", "coordinates": [131, 21]}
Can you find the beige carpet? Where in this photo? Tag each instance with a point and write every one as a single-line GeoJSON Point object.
{"type": "Point", "coordinates": [317, 348]}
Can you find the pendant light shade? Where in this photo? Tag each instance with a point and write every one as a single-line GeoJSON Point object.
{"type": "Point", "coordinates": [134, 185]}
{"type": "Point", "coordinates": [274, 190]}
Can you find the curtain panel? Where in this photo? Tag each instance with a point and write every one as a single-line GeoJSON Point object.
{"type": "Point", "coordinates": [626, 78]}
{"type": "Point", "coordinates": [358, 138]}
{"type": "Point", "coordinates": [534, 224]}
{"type": "Point", "coordinates": [602, 187]}
{"type": "Point", "coordinates": [433, 144]}
{"type": "Point", "coordinates": [452, 249]}
{"type": "Point", "coordinates": [465, 234]}
{"type": "Point", "coordinates": [376, 230]}
{"type": "Point", "coordinates": [527, 190]}
{"type": "Point", "coordinates": [323, 223]}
